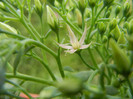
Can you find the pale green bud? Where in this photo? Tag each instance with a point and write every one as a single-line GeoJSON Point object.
{"type": "Point", "coordinates": [130, 42]}
{"type": "Point", "coordinates": [38, 7]}
{"type": "Point", "coordinates": [116, 32]}
{"type": "Point", "coordinates": [57, 4]}
{"type": "Point", "coordinates": [101, 28]}
{"type": "Point", "coordinates": [107, 14]}
{"type": "Point", "coordinates": [121, 39]}
{"type": "Point", "coordinates": [120, 58]}
{"type": "Point", "coordinates": [2, 6]}
{"type": "Point", "coordinates": [127, 10]}
{"type": "Point", "coordinates": [87, 13]}
{"type": "Point", "coordinates": [105, 38]}
{"type": "Point", "coordinates": [117, 10]}
{"type": "Point", "coordinates": [82, 5]}
{"type": "Point", "coordinates": [92, 3]}
{"type": "Point", "coordinates": [112, 24]}
{"type": "Point", "coordinates": [52, 20]}
{"type": "Point", "coordinates": [78, 17]}
{"type": "Point", "coordinates": [51, 1]}
{"type": "Point", "coordinates": [7, 28]}
{"type": "Point", "coordinates": [108, 2]}
{"type": "Point", "coordinates": [126, 25]}
{"type": "Point", "coordinates": [131, 27]}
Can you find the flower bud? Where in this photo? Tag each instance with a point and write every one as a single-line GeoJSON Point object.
{"type": "Point", "coordinates": [105, 38]}
{"type": "Point", "coordinates": [101, 28]}
{"type": "Point", "coordinates": [108, 2]}
{"type": "Point", "coordinates": [126, 26]}
{"type": "Point", "coordinates": [7, 28]}
{"type": "Point", "coordinates": [127, 10]}
{"type": "Point", "coordinates": [70, 86]}
{"type": "Point", "coordinates": [60, 1]}
{"type": "Point", "coordinates": [38, 7]}
{"type": "Point", "coordinates": [82, 5]}
{"type": "Point", "coordinates": [52, 20]}
{"type": "Point", "coordinates": [121, 39]}
{"type": "Point", "coordinates": [107, 14]}
{"type": "Point", "coordinates": [2, 6]}
{"type": "Point", "coordinates": [92, 3]}
{"type": "Point", "coordinates": [116, 82]}
{"type": "Point", "coordinates": [120, 58]}
{"type": "Point", "coordinates": [117, 10]}
{"type": "Point", "coordinates": [130, 42]}
{"type": "Point", "coordinates": [112, 24]}
{"type": "Point", "coordinates": [78, 17]}
{"type": "Point", "coordinates": [51, 1]}
{"type": "Point", "coordinates": [131, 27]}
{"type": "Point", "coordinates": [116, 32]}
{"type": "Point", "coordinates": [87, 13]}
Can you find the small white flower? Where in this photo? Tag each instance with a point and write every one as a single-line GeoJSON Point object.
{"type": "Point", "coordinates": [75, 44]}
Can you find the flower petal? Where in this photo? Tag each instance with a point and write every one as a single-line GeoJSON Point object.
{"type": "Point", "coordinates": [72, 36]}
{"type": "Point", "coordinates": [65, 46]}
{"type": "Point", "coordinates": [85, 46]}
{"type": "Point", "coordinates": [83, 36]}
{"type": "Point", "coordinates": [71, 51]}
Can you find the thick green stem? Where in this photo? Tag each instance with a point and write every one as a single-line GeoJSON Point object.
{"type": "Point", "coordinates": [30, 78]}
{"type": "Point", "coordinates": [92, 58]}
{"type": "Point", "coordinates": [45, 65]}
{"type": "Point", "coordinates": [94, 20]}
{"type": "Point", "coordinates": [59, 60]}
{"type": "Point", "coordinates": [93, 68]}
{"type": "Point", "coordinates": [39, 44]}
{"type": "Point", "coordinates": [35, 36]}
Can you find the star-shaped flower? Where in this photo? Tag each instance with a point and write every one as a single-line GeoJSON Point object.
{"type": "Point", "coordinates": [75, 44]}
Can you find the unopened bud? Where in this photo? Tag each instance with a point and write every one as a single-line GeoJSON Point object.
{"type": "Point", "coordinates": [108, 2]}
{"type": "Point", "coordinates": [7, 28]}
{"type": "Point", "coordinates": [82, 5]}
{"type": "Point", "coordinates": [130, 42]}
{"type": "Point", "coordinates": [112, 24]}
{"type": "Point", "coordinates": [38, 7]}
{"type": "Point", "coordinates": [2, 6]}
{"type": "Point", "coordinates": [87, 13]}
{"type": "Point", "coordinates": [60, 1]}
{"type": "Point", "coordinates": [105, 38]}
{"type": "Point", "coordinates": [126, 26]}
{"type": "Point", "coordinates": [51, 1]}
{"type": "Point", "coordinates": [92, 3]}
{"type": "Point", "coordinates": [101, 28]}
{"type": "Point", "coordinates": [121, 39]}
{"type": "Point", "coordinates": [79, 17]}
{"type": "Point", "coordinates": [123, 62]}
{"type": "Point", "coordinates": [107, 14]}
{"type": "Point", "coordinates": [52, 20]}
{"type": "Point", "coordinates": [116, 32]}
{"type": "Point", "coordinates": [117, 10]}
{"type": "Point", "coordinates": [127, 10]}
{"type": "Point", "coordinates": [131, 27]}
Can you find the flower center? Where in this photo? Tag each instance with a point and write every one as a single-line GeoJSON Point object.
{"type": "Point", "coordinates": [76, 45]}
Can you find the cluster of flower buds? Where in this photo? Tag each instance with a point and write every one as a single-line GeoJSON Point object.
{"type": "Point", "coordinates": [92, 3]}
